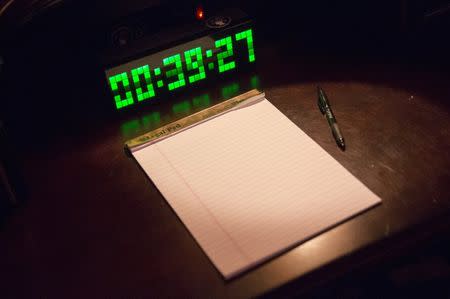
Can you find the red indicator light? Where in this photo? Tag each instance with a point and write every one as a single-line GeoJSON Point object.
{"type": "Point", "coordinates": [199, 13]}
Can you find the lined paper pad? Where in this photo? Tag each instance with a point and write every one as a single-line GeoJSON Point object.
{"type": "Point", "coordinates": [250, 184]}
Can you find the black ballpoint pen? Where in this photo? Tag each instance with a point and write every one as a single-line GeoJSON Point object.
{"type": "Point", "coordinates": [325, 108]}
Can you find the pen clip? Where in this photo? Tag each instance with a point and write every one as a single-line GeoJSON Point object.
{"type": "Point", "coordinates": [321, 105]}
{"type": "Point", "coordinates": [321, 108]}
{"type": "Point", "coordinates": [320, 101]}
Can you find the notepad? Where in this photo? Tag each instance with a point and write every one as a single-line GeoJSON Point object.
{"type": "Point", "coordinates": [249, 184]}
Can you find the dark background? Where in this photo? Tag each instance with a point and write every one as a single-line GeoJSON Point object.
{"type": "Point", "coordinates": [52, 50]}
{"type": "Point", "coordinates": [52, 70]}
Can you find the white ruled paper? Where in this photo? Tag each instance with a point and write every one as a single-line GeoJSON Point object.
{"type": "Point", "coordinates": [250, 184]}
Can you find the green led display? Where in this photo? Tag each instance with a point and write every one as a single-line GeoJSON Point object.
{"type": "Point", "coordinates": [136, 74]}
{"type": "Point", "coordinates": [228, 51]}
{"type": "Point", "coordinates": [197, 53]}
{"type": "Point", "coordinates": [187, 67]}
{"type": "Point", "coordinates": [177, 71]}
{"type": "Point", "coordinates": [247, 35]}
{"type": "Point", "coordinates": [114, 83]}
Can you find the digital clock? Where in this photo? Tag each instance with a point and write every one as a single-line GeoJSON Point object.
{"type": "Point", "coordinates": [155, 76]}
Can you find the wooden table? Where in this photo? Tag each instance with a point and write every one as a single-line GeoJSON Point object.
{"type": "Point", "coordinates": [95, 226]}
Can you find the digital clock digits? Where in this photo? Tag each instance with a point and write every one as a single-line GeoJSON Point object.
{"type": "Point", "coordinates": [140, 81]}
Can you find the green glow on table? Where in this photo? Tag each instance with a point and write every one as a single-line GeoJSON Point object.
{"type": "Point", "coordinates": [130, 128]}
{"type": "Point", "coordinates": [177, 71]}
{"type": "Point", "coordinates": [113, 81]}
{"type": "Point", "coordinates": [203, 101]}
{"type": "Point", "coordinates": [210, 66]}
{"type": "Point", "coordinates": [248, 36]}
{"type": "Point", "coordinates": [134, 127]}
{"type": "Point", "coordinates": [151, 121]}
{"type": "Point", "coordinates": [254, 82]}
{"type": "Point", "coordinates": [136, 74]}
{"type": "Point", "coordinates": [227, 43]}
{"type": "Point", "coordinates": [182, 107]}
{"type": "Point", "coordinates": [198, 64]}
{"type": "Point", "coordinates": [230, 90]}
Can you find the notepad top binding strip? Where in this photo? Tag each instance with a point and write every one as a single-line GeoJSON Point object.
{"type": "Point", "coordinates": [175, 127]}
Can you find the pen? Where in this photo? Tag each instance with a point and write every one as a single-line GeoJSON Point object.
{"type": "Point", "coordinates": [325, 108]}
